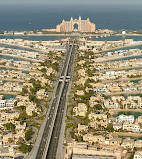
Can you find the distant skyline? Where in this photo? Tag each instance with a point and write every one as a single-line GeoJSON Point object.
{"type": "Point", "coordinates": [54, 2]}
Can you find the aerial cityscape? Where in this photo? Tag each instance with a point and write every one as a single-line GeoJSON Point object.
{"type": "Point", "coordinates": [70, 83]}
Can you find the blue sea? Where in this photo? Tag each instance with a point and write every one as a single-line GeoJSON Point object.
{"type": "Point", "coordinates": [37, 17]}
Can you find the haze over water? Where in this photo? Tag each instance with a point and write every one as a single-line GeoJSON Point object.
{"type": "Point", "coordinates": [36, 17]}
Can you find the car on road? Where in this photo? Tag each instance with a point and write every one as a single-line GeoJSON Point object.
{"type": "Point", "coordinates": [67, 79]}
{"type": "Point", "coordinates": [61, 78]}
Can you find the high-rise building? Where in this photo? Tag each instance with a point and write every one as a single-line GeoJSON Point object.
{"type": "Point", "coordinates": [76, 25]}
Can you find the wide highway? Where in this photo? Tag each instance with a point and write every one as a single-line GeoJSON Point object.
{"type": "Point", "coordinates": [51, 154]}
{"type": "Point", "coordinates": [47, 129]}
{"type": "Point", "coordinates": [55, 114]}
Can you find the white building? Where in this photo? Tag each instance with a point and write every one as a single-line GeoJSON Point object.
{"type": "Point", "coordinates": [113, 73]}
{"type": "Point", "coordinates": [19, 33]}
{"type": "Point", "coordinates": [7, 103]}
{"type": "Point", "coordinates": [11, 103]}
{"type": "Point", "coordinates": [111, 104]}
{"type": "Point", "coordinates": [125, 118]}
{"type": "Point", "coordinates": [2, 103]}
{"type": "Point", "coordinates": [135, 127]}
{"type": "Point", "coordinates": [117, 126]}
{"type": "Point", "coordinates": [138, 155]}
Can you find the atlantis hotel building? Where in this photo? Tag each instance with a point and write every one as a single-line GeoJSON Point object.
{"type": "Point", "coordinates": [74, 25]}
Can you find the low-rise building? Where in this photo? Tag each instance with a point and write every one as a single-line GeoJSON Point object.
{"type": "Point", "coordinates": [134, 127]}
{"type": "Point", "coordinates": [5, 104]}
{"type": "Point", "coordinates": [81, 150]}
{"type": "Point", "coordinates": [8, 116]}
{"type": "Point", "coordinates": [2, 103]}
{"type": "Point", "coordinates": [80, 110]}
{"type": "Point", "coordinates": [95, 100]}
{"type": "Point", "coordinates": [30, 108]}
{"type": "Point", "coordinates": [139, 120]}
{"type": "Point", "coordinates": [115, 141]}
{"type": "Point", "coordinates": [7, 152]}
{"type": "Point", "coordinates": [128, 143]}
{"type": "Point", "coordinates": [97, 116]}
{"type": "Point", "coordinates": [11, 103]}
{"type": "Point", "coordinates": [128, 118]}
{"type": "Point", "coordinates": [80, 92]}
{"type": "Point", "coordinates": [138, 155]}
{"type": "Point", "coordinates": [111, 104]}
{"type": "Point", "coordinates": [82, 128]}
{"type": "Point", "coordinates": [41, 94]}
{"type": "Point", "coordinates": [90, 138]}
{"type": "Point", "coordinates": [117, 126]}
{"type": "Point", "coordinates": [1, 96]}
{"type": "Point", "coordinates": [6, 137]}
{"type": "Point", "coordinates": [138, 144]}
{"type": "Point", "coordinates": [19, 126]}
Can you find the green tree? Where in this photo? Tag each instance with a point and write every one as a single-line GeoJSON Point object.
{"type": "Point", "coordinates": [33, 98]}
{"type": "Point", "coordinates": [28, 134]}
{"type": "Point", "coordinates": [110, 127]}
{"type": "Point", "coordinates": [24, 148]}
{"type": "Point", "coordinates": [55, 66]}
{"type": "Point", "coordinates": [10, 126]}
{"type": "Point", "coordinates": [132, 156]}
{"type": "Point", "coordinates": [98, 107]}
{"type": "Point", "coordinates": [43, 70]}
{"type": "Point", "coordinates": [24, 91]}
{"type": "Point", "coordinates": [22, 117]}
{"type": "Point", "coordinates": [32, 80]}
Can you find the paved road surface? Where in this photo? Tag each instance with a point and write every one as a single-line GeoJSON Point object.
{"type": "Point", "coordinates": [55, 113]}
{"type": "Point", "coordinates": [51, 154]}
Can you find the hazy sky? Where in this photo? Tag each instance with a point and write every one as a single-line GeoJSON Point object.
{"type": "Point", "coordinates": [102, 2]}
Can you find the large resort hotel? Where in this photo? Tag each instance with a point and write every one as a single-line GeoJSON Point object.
{"type": "Point", "coordinates": [74, 25]}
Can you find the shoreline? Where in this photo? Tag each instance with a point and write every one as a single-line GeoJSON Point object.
{"type": "Point", "coordinates": [127, 134]}
{"type": "Point", "coordinates": [105, 59]}
{"type": "Point", "coordinates": [11, 80]}
{"type": "Point", "coordinates": [115, 111]}
{"type": "Point", "coordinates": [128, 35]}
{"type": "Point", "coordinates": [121, 79]}
{"type": "Point", "coordinates": [120, 47]}
{"type": "Point", "coordinates": [10, 55]}
{"type": "Point", "coordinates": [119, 93]}
{"type": "Point", "coordinates": [105, 34]}
{"type": "Point", "coordinates": [65, 35]}
{"type": "Point", "coordinates": [26, 47]}
{"type": "Point", "coordinates": [15, 68]}
{"type": "Point", "coordinates": [120, 68]}
{"type": "Point", "coordinates": [9, 93]}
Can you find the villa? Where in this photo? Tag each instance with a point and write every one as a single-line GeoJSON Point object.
{"type": "Point", "coordinates": [128, 118]}
{"type": "Point", "coordinates": [138, 155]}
